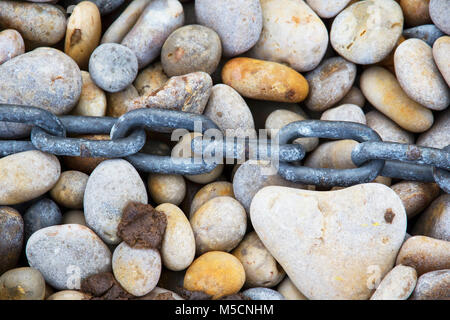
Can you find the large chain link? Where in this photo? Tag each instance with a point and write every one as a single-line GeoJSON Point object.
{"type": "Point", "coordinates": [372, 156]}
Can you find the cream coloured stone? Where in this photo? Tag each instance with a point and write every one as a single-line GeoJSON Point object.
{"type": "Point", "coordinates": [398, 284]}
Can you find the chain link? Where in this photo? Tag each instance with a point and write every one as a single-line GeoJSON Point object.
{"type": "Point", "coordinates": [372, 156]}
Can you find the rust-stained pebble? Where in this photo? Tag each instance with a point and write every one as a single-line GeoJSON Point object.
{"type": "Point", "coordinates": [384, 92]}
{"type": "Point", "coordinates": [255, 79]}
{"type": "Point", "coordinates": [187, 93]}
{"type": "Point", "coordinates": [419, 76]}
{"type": "Point", "coordinates": [166, 188]}
{"type": "Point", "coordinates": [142, 226]}
{"type": "Point", "coordinates": [22, 284]}
{"type": "Point", "coordinates": [398, 284]}
{"type": "Point", "coordinates": [367, 31]}
{"type": "Point", "coordinates": [178, 244]}
{"type": "Point", "coordinates": [292, 34]}
{"type": "Point", "coordinates": [137, 270]}
{"type": "Point", "coordinates": [11, 45]}
{"type": "Point", "coordinates": [69, 190]}
{"type": "Point", "coordinates": [66, 254]}
{"type": "Point", "coordinates": [11, 238]}
{"type": "Point", "coordinates": [261, 269]}
{"type": "Point", "coordinates": [103, 286]}
{"type": "Point", "coordinates": [27, 175]}
{"type": "Point", "coordinates": [425, 254]}
{"type": "Point", "coordinates": [416, 196]}
{"type": "Point", "coordinates": [216, 273]}
{"type": "Point", "coordinates": [435, 221]}
{"type": "Point", "coordinates": [84, 28]}
{"type": "Point", "coordinates": [39, 23]}
{"type": "Point", "coordinates": [329, 83]}
{"type": "Point", "coordinates": [219, 225]}
{"type": "Point", "coordinates": [433, 285]}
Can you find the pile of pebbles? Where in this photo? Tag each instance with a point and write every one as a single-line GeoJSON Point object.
{"type": "Point", "coordinates": [94, 228]}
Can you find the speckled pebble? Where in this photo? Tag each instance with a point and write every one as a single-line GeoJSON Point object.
{"type": "Point", "coordinates": [166, 188]}
{"type": "Point", "coordinates": [440, 14]}
{"type": "Point", "coordinates": [419, 76]}
{"type": "Point", "coordinates": [433, 285]}
{"type": "Point", "coordinates": [237, 22]}
{"type": "Point", "coordinates": [415, 195]}
{"type": "Point", "coordinates": [110, 187]}
{"type": "Point", "coordinates": [435, 221]}
{"type": "Point", "coordinates": [42, 214]}
{"type": "Point", "coordinates": [66, 254]}
{"type": "Point", "coordinates": [262, 294]}
{"type": "Point", "coordinates": [367, 31]}
{"type": "Point", "coordinates": [189, 49]}
{"type": "Point", "coordinates": [22, 284]}
{"type": "Point", "coordinates": [219, 225]}
{"type": "Point", "coordinates": [292, 34]}
{"type": "Point", "coordinates": [398, 284]}
{"type": "Point", "coordinates": [137, 270]}
{"type": "Point", "coordinates": [113, 67]}
{"type": "Point", "coordinates": [69, 190]}
{"type": "Point", "coordinates": [11, 45]}
{"type": "Point", "coordinates": [329, 83]}
{"type": "Point", "coordinates": [11, 238]}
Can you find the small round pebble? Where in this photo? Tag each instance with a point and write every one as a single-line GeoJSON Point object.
{"type": "Point", "coordinates": [398, 284]}
{"type": "Point", "coordinates": [113, 67]}
{"type": "Point", "coordinates": [22, 284]}
{"type": "Point", "coordinates": [210, 191]}
{"type": "Point", "coordinates": [92, 100]}
{"type": "Point", "coordinates": [419, 76]}
{"type": "Point", "coordinates": [345, 112]}
{"type": "Point", "coordinates": [216, 273]}
{"type": "Point", "coordinates": [11, 238]}
{"type": "Point", "coordinates": [137, 270]}
{"type": "Point", "coordinates": [178, 244]}
{"type": "Point", "coordinates": [219, 225]}
{"type": "Point", "coordinates": [329, 83]}
{"type": "Point", "coordinates": [42, 214]}
{"type": "Point", "coordinates": [263, 294]}
{"type": "Point", "coordinates": [367, 31]}
{"type": "Point", "coordinates": [440, 14]}
{"type": "Point", "coordinates": [66, 254]}
{"type": "Point", "coordinates": [237, 22]}
{"type": "Point", "coordinates": [166, 188]}
{"type": "Point", "coordinates": [69, 190]}
{"type": "Point", "coordinates": [11, 45]}
{"type": "Point", "coordinates": [189, 49]}
{"type": "Point", "coordinates": [261, 269]}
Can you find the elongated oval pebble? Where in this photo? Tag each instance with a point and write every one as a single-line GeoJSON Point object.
{"type": "Point", "coordinates": [11, 45]}
{"type": "Point", "coordinates": [40, 23]}
{"type": "Point", "coordinates": [27, 175]}
{"type": "Point", "coordinates": [329, 83]}
{"type": "Point", "coordinates": [212, 190]}
{"type": "Point", "coordinates": [84, 28]}
{"type": "Point", "coordinates": [418, 75]}
{"type": "Point", "coordinates": [166, 188]}
{"type": "Point", "coordinates": [230, 112]}
{"type": "Point", "coordinates": [398, 284]}
{"type": "Point", "coordinates": [440, 14]}
{"type": "Point", "coordinates": [238, 22]}
{"type": "Point", "coordinates": [435, 221]}
{"type": "Point", "coordinates": [434, 285]}
{"type": "Point", "coordinates": [110, 187]}
{"type": "Point", "coordinates": [384, 92]}
{"type": "Point", "coordinates": [331, 243]}
{"type": "Point", "coordinates": [11, 238]}
{"type": "Point", "coordinates": [216, 273]}
{"type": "Point", "coordinates": [262, 294]}
{"type": "Point", "coordinates": [292, 34]}
{"type": "Point", "coordinates": [137, 270]}
{"type": "Point", "coordinates": [255, 79]}
{"type": "Point", "coordinates": [178, 245]}
{"type": "Point", "coordinates": [367, 31]}
{"type": "Point", "coordinates": [425, 254]}
{"type": "Point", "coordinates": [66, 254]}
{"type": "Point", "coordinates": [441, 48]}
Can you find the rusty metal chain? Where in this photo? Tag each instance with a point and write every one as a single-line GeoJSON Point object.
{"type": "Point", "coordinates": [371, 156]}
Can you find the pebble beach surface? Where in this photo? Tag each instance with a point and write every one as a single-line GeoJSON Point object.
{"type": "Point", "coordinates": [100, 228]}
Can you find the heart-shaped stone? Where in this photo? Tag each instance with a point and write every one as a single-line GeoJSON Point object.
{"type": "Point", "coordinates": [334, 244]}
